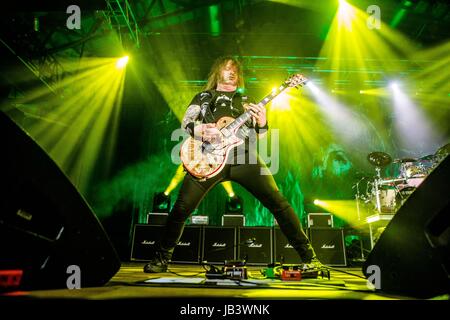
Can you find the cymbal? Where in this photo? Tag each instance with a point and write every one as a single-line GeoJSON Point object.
{"type": "Point", "coordinates": [428, 157]}
{"type": "Point", "coordinates": [404, 160]}
{"type": "Point", "coordinates": [379, 159]}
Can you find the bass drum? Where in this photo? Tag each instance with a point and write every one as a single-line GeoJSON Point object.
{"type": "Point", "coordinates": [387, 199]}
{"type": "Point", "coordinates": [403, 194]}
{"type": "Point", "coordinates": [415, 181]}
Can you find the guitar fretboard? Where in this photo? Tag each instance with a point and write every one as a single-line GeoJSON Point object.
{"type": "Point", "coordinates": [243, 118]}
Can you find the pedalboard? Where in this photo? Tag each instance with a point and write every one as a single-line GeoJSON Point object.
{"type": "Point", "coordinates": [294, 272]}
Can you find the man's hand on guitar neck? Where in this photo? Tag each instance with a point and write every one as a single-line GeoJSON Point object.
{"type": "Point", "coordinates": [207, 132]}
{"type": "Point", "coordinates": [258, 113]}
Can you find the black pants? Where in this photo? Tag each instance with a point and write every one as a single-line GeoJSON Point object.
{"type": "Point", "coordinates": [263, 187]}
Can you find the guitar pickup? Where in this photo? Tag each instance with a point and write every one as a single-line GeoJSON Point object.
{"type": "Point", "coordinates": [226, 133]}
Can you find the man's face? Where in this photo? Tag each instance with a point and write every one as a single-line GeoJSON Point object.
{"type": "Point", "coordinates": [229, 74]}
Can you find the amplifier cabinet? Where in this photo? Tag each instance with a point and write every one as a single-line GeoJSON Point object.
{"type": "Point", "coordinates": [188, 249]}
{"type": "Point", "coordinates": [255, 244]}
{"type": "Point", "coordinates": [157, 218]}
{"type": "Point", "coordinates": [329, 245]}
{"type": "Point", "coordinates": [219, 244]}
{"type": "Point", "coordinates": [234, 220]}
{"type": "Point", "coordinates": [319, 220]}
{"type": "Point", "coordinates": [283, 251]}
{"type": "Point", "coordinates": [146, 238]}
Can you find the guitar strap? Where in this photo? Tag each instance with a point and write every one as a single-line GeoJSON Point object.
{"type": "Point", "coordinates": [205, 109]}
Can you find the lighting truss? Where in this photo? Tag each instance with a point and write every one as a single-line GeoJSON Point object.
{"type": "Point", "coordinates": [120, 16]}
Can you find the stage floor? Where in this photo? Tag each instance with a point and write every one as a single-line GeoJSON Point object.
{"type": "Point", "coordinates": [189, 282]}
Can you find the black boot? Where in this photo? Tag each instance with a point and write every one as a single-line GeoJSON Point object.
{"type": "Point", "coordinates": [309, 257]}
{"type": "Point", "coordinates": [159, 264]}
{"type": "Point", "coordinates": [306, 253]}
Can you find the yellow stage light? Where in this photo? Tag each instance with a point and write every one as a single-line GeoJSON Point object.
{"type": "Point", "coordinates": [122, 62]}
{"type": "Point", "coordinates": [177, 178]}
{"type": "Point", "coordinates": [228, 188]}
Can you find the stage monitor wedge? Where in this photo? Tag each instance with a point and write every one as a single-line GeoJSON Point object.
{"type": "Point", "coordinates": [47, 229]}
{"type": "Point", "coordinates": [413, 252]}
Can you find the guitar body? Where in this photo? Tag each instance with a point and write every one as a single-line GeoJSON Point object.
{"type": "Point", "coordinates": [205, 160]}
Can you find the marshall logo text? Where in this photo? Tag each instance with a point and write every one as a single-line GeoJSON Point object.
{"type": "Point", "coordinates": [218, 244]}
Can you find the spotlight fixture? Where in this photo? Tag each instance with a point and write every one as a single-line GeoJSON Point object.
{"type": "Point", "coordinates": [161, 202]}
{"type": "Point", "coordinates": [122, 62]}
{"type": "Point", "coordinates": [234, 205]}
{"type": "Point", "coordinates": [394, 85]}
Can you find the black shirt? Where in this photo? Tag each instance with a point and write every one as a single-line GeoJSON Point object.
{"type": "Point", "coordinates": [217, 104]}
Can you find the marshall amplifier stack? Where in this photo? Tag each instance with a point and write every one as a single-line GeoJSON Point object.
{"type": "Point", "coordinates": [256, 245]}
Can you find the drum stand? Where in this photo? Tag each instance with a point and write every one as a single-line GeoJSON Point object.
{"type": "Point", "coordinates": [379, 160]}
{"type": "Point", "coordinates": [357, 198]}
{"type": "Point", "coordinates": [380, 182]}
{"type": "Point", "coordinates": [377, 190]}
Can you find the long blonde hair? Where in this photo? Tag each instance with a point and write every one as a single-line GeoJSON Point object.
{"type": "Point", "coordinates": [214, 74]}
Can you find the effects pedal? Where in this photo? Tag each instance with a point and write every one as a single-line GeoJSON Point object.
{"type": "Point", "coordinates": [290, 273]}
{"type": "Point", "coordinates": [213, 272]}
{"type": "Point", "coordinates": [10, 280]}
{"type": "Point", "coordinates": [235, 269]}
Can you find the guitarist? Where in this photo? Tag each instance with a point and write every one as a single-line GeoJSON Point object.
{"type": "Point", "coordinates": [218, 100]}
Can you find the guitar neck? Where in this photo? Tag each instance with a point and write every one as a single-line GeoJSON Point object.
{"type": "Point", "coordinates": [243, 118]}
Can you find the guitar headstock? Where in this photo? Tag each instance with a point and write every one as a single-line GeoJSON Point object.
{"type": "Point", "coordinates": [296, 80]}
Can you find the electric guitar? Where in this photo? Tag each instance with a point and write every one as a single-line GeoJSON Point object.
{"type": "Point", "coordinates": [203, 159]}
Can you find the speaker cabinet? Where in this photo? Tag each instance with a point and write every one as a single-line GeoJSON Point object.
{"type": "Point", "coordinates": [233, 220]}
{"type": "Point", "coordinates": [255, 245]}
{"type": "Point", "coordinates": [320, 220]}
{"type": "Point", "coordinates": [157, 218]}
{"type": "Point", "coordinates": [145, 240]}
{"type": "Point", "coordinates": [45, 224]}
{"type": "Point", "coordinates": [188, 249]}
{"type": "Point", "coordinates": [329, 245]}
{"type": "Point", "coordinates": [219, 244]}
{"type": "Point", "coordinates": [283, 251]}
{"type": "Point", "coordinates": [413, 252]}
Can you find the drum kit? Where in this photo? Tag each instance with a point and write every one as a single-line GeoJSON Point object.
{"type": "Point", "coordinates": [387, 194]}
